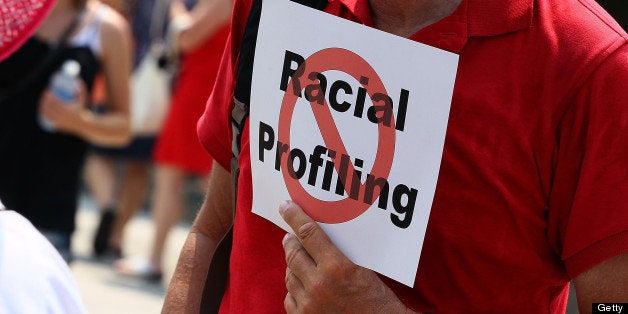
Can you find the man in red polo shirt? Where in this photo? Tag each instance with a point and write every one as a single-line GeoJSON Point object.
{"type": "Point", "coordinates": [532, 191]}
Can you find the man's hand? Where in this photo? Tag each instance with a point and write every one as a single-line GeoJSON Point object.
{"type": "Point", "coordinates": [320, 278]}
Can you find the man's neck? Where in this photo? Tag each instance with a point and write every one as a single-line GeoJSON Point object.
{"type": "Point", "coordinates": [406, 17]}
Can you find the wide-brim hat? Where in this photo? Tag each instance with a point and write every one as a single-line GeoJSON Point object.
{"type": "Point", "coordinates": [18, 20]}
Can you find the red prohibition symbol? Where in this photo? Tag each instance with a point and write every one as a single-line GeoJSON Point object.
{"type": "Point", "coordinates": [348, 62]}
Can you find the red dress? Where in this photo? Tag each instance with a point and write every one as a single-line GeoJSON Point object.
{"type": "Point", "coordinates": [178, 143]}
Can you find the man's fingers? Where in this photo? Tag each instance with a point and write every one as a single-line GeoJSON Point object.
{"type": "Point", "coordinates": [299, 262]}
{"type": "Point", "coordinates": [294, 284]}
{"type": "Point", "coordinates": [313, 238]}
{"type": "Point", "coordinates": [290, 304]}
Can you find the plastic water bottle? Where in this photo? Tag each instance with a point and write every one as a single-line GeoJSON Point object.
{"type": "Point", "coordinates": [64, 85]}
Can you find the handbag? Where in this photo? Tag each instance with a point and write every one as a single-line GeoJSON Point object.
{"type": "Point", "coordinates": [152, 80]}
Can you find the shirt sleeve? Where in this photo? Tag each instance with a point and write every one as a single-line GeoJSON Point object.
{"type": "Point", "coordinates": [214, 126]}
{"type": "Point", "coordinates": [589, 196]}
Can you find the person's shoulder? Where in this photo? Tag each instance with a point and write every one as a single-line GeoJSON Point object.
{"type": "Point", "coordinates": [583, 19]}
{"type": "Point", "coordinates": [600, 14]}
{"type": "Point", "coordinates": [15, 226]}
{"type": "Point", "coordinates": [34, 268]}
{"type": "Point", "coordinates": [17, 221]}
{"type": "Point", "coordinates": [114, 26]}
{"type": "Point", "coordinates": [115, 31]}
{"type": "Point", "coordinates": [578, 36]}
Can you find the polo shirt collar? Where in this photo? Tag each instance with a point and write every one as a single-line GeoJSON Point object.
{"type": "Point", "coordinates": [472, 18]}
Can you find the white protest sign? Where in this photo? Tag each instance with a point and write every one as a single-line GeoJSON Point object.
{"type": "Point", "coordinates": [354, 134]}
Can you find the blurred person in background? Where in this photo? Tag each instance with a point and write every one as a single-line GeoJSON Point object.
{"type": "Point", "coordinates": [201, 34]}
{"type": "Point", "coordinates": [34, 278]}
{"type": "Point", "coordinates": [120, 196]}
{"type": "Point", "coordinates": [40, 169]}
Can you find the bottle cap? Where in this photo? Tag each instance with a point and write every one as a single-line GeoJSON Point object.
{"type": "Point", "coordinates": [71, 67]}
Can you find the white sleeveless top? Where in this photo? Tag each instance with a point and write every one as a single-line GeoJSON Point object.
{"type": "Point", "coordinates": [89, 34]}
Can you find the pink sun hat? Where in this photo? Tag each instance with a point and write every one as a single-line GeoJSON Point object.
{"type": "Point", "coordinates": [18, 20]}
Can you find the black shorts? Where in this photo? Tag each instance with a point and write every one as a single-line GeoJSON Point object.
{"type": "Point", "coordinates": [141, 148]}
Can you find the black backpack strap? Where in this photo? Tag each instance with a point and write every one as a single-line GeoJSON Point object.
{"type": "Point", "coordinates": [218, 273]}
{"type": "Point", "coordinates": [242, 91]}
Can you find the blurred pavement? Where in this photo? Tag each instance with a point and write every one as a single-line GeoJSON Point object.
{"type": "Point", "coordinates": [104, 291]}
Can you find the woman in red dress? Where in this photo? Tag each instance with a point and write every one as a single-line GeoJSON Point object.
{"type": "Point", "coordinates": [178, 152]}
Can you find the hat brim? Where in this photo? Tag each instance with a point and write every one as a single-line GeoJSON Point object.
{"type": "Point", "coordinates": [18, 21]}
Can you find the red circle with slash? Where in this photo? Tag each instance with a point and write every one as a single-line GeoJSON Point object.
{"type": "Point", "coordinates": [348, 62]}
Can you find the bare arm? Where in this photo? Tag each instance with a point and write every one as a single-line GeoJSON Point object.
{"type": "Point", "coordinates": [605, 282]}
{"type": "Point", "coordinates": [204, 19]}
{"type": "Point", "coordinates": [212, 222]}
{"type": "Point", "coordinates": [111, 128]}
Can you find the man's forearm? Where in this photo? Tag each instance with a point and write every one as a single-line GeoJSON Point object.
{"type": "Point", "coordinates": [186, 286]}
{"type": "Point", "coordinates": [213, 221]}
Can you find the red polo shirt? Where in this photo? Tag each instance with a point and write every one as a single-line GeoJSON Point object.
{"type": "Point", "coordinates": [533, 187]}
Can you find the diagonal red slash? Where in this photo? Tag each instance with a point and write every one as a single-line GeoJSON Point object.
{"type": "Point", "coordinates": [352, 64]}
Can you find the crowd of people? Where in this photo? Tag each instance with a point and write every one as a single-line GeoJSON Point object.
{"type": "Point", "coordinates": [177, 153]}
{"type": "Point", "coordinates": [41, 167]}
{"type": "Point", "coordinates": [87, 139]}
{"type": "Point", "coordinates": [531, 192]}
